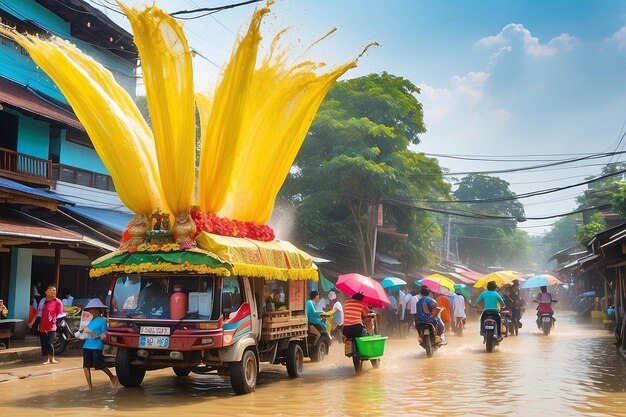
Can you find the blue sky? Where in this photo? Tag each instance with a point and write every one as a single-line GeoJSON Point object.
{"type": "Point", "coordinates": [496, 77]}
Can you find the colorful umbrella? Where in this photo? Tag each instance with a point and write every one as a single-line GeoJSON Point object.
{"type": "Point", "coordinates": [393, 283]}
{"type": "Point", "coordinates": [433, 286]}
{"type": "Point", "coordinates": [441, 280]}
{"type": "Point", "coordinates": [373, 293]}
{"type": "Point", "coordinates": [541, 281]}
{"type": "Point", "coordinates": [462, 288]}
{"type": "Point", "coordinates": [501, 278]}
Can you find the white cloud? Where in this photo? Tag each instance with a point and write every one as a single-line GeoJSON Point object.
{"type": "Point", "coordinates": [515, 33]}
{"type": "Point", "coordinates": [620, 38]}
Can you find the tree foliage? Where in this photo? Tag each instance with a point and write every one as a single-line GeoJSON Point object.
{"type": "Point", "coordinates": [592, 228]}
{"type": "Point", "coordinates": [491, 242]}
{"type": "Point", "coordinates": [357, 156]}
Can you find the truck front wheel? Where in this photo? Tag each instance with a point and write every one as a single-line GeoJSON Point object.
{"type": "Point", "coordinates": [128, 375]}
{"type": "Point", "coordinates": [243, 374]}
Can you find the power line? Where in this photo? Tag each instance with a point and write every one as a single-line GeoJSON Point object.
{"type": "Point", "coordinates": [210, 10]}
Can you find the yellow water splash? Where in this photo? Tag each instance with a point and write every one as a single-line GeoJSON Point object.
{"type": "Point", "coordinates": [252, 128]}
{"type": "Point", "coordinates": [168, 77]}
{"type": "Point", "coordinates": [115, 126]}
{"type": "Point", "coordinates": [223, 135]}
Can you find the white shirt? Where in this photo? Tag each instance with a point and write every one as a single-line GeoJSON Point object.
{"type": "Point", "coordinates": [321, 305]}
{"type": "Point", "coordinates": [458, 306]}
{"type": "Point", "coordinates": [338, 315]}
{"type": "Point", "coordinates": [413, 303]}
{"type": "Point", "coordinates": [67, 302]}
{"type": "Point", "coordinates": [403, 304]}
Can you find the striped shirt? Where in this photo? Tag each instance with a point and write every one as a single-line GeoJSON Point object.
{"type": "Point", "coordinates": [354, 312]}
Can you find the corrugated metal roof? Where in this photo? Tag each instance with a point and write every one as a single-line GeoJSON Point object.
{"type": "Point", "coordinates": [114, 220]}
{"type": "Point", "coordinates": [22, 97]}
{"type": "Point", "coordinates": [37, 192]}
{"type": "Point", "coordinates": [18, 225]}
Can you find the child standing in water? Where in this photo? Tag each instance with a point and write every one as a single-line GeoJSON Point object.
{"type": "Point", "coordinates": [94, 345]}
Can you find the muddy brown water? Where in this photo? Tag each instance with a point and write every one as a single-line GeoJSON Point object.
{"type": "Point", "coordinates": [573, 371]}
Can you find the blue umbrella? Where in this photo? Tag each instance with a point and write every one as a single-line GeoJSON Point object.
{"type": "Point", "coordinates": [462, 288]}
{"type": "Point", "coordinates": [393, 283]}
{"type": "Point", "coordinates": [541, 281]}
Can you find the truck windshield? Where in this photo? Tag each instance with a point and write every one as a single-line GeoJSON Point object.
{"type": "Point", "coordinates": [148, 296]}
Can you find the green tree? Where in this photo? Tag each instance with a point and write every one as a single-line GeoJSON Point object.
{"type": "Point", "coordinates": [491, 242]}
{"type": "Point", "coordinates": [592, 228]}
{"type": "Point", "coordinates": [356, 157]}
{"type": "Point", "coordinates": [562, 234]}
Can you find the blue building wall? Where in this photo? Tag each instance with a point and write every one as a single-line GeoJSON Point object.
{"type": "Point", "coordinates": [80, 157]}
{"type": "Point", "coordinates": [16, 65]}
{"type": "Point", "coordinates": [33, 137]}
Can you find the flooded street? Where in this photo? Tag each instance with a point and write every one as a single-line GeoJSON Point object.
{"type": "Point", "coordinates": [574, 371]}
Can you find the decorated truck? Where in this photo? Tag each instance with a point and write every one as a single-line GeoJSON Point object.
{"type": "Point", "coordinates": [199, 282]}
{"type": "Point", "coordinates": [226, 305]}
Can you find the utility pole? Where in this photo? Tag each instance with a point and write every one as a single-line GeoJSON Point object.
{"type": "Point", "coordinates": [448, 238]}
{"type": "Point", "coordinates": [377, 220]}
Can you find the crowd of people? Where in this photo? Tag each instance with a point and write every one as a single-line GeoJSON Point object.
{"type": "Point", "coordinates": [341, 315]}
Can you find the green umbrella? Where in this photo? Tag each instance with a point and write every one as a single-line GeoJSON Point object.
{"type": "Point", "coordinates": [325, 284]}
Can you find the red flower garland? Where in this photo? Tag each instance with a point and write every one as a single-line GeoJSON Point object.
{"type": "Point", "coordinates": [211, 223]}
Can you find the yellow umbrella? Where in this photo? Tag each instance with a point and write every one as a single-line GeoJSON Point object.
{"type": "Point", "coordinates": [501, 278]}
{"type": "Point", "coordinates": [441, 280]}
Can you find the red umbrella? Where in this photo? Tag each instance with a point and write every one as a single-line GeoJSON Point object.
{"type": "Point", "coordinates": [372, 291]}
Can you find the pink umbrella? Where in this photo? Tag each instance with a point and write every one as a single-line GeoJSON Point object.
{"type": "Point", "coordinates": [373, 293]}
{"type": "Point", "coordinates": [433, 286]}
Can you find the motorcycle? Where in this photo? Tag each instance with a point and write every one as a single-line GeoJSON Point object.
{"type": "Point", "coordinates": [65, 337]}
{"type": "Point", "coordinates": [489, 330]}
{"type": "Point", "coordinates": [365, 348]}
{"type": "Point", "coordinates": [427, 333]}
{"type": "Point", "coordinates": [509, 323]}
{"type": "Point", "coordinates": [318, 351]}
{"type": "Point", "coordinates": [546, 323]}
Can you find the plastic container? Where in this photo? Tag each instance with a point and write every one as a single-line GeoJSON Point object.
{"type": "Point", "coordinates": [371, 346]}
{"type": "Point", "coordinates": [201, 303]}
{"type": "Point", "coordinates": [178, 303]}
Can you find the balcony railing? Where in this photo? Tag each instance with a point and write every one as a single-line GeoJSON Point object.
{"type": "Point", "coordinates": [73, 175]}
{"type": "Point", "coordinates": [25, 168]}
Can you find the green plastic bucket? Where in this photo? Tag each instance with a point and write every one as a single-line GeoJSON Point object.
{"type": "Point", "coordinates": [371, 346]}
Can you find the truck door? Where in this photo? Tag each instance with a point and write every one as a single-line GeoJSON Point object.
{"type": "Point", "coordinates": [251, 299]}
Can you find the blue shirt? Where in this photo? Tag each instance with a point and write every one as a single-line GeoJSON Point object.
{"type": "Point", "coordinates": [491, 299]}
{"type": "Point", "coordinates": [422, 316]}
{"type": "Point", "coordinates": [99, 326]}
{"type": "Point", "coordinates": [312, 314]}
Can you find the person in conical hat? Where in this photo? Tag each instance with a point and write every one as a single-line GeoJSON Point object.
{"type": "Point", "coordinates": [94, 345]}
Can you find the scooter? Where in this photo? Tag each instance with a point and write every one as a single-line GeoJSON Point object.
{"type": "Point", "coordinates": [507, 323]}
{"type": "Point", "coordinates": [489, 330]}
{"type": "Point", "coordinates": [64, 337]}
{"type": "Point", "coordinates": [545, 323]}
{"type": "Point", "coordinates": [427, 333]}
{"type": "Point", "coordinates": [318, 351]}
{"type": "Point", "coordinates": [365, 348]}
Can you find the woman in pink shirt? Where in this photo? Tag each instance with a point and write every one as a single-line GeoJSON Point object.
{"type": "Point", "coordinates": [51, 309]}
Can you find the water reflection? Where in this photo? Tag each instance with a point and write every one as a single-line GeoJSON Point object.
{"type": "Point", "coordinates": [574, 371]}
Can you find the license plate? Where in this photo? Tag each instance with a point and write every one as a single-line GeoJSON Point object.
{"type": "Point", "coordinates": [489, 327]}
{"type": "Point", "coordinates": [154, 330]}
{"type": "Point", "coordinates": [156, 342]}
{"type": "Point", "coordinates": [545, 319]}
{"type": "Point", "coordinates": [348, 347]}
{"type": "Point", "coordinates": [426, 332]}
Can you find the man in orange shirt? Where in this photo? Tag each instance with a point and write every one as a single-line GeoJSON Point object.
{"type": "Point", "coordinates": [444, 301]}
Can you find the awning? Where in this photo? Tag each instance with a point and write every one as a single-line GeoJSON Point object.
{"type": "Point", "coordinates": [387, 259]}
{"type": "Point", "coordinates": [112, 219]}
{"type": "Point", "coordinates": [18, 228]}
{"type": "Point", "coordinates": [27, 99]}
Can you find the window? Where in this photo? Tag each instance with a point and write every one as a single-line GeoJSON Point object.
{"type": "Point", "coordinates": [231, 294]}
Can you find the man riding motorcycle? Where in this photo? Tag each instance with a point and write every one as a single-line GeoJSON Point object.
{"type": "Point", "coordinates": [492, 304]}
{"type": "Point", "coordinates": [427, 312]}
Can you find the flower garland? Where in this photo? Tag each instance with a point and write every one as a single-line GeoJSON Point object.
{"type": "Point", "coordinates": [168, 247]}
{"type": "Point", "coordinates": [160, 267]}
{"type": "Point", "coordinates": [211, 223]}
